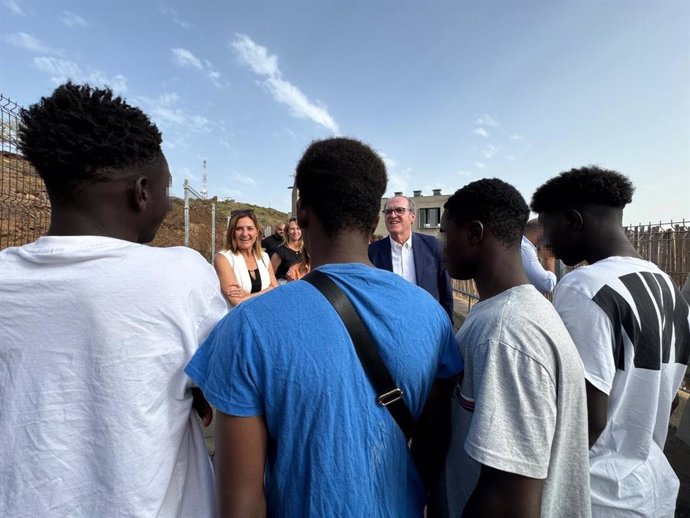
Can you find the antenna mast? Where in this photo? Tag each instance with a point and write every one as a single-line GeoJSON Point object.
{"type": "Point", "coordinates": [204, 190]}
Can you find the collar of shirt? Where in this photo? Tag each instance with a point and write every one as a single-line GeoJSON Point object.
{"type": "Point", "coordinates": [407, 244]}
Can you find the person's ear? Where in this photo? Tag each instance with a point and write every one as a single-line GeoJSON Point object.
{"type": "Point", "coordinates": [138, 194]}
{"type": "Point", "coordinates": [574, 219]}
{"type": "Point", "coordinates": [302, 215]}
{"type": "Point", "coordinates": [475, 232]}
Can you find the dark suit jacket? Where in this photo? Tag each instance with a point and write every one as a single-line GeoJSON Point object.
{"type": "Point", "coordinates": [428, 266]}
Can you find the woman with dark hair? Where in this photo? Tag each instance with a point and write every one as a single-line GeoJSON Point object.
{"type": "Point", "coordinates": [243, 267]}
{"type": "Point", "coordinates": [289, 253]}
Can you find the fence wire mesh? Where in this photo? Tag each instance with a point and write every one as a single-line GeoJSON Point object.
{"type": "Point", "coordinates": [24, 205]}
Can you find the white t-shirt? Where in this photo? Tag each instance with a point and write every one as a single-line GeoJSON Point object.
{"type": "Point", "coordinates": [521, 406]}
{"type": "Point", "coordinates": [630, 326]}
{"type": "Point", "coordinates": [95, 409]}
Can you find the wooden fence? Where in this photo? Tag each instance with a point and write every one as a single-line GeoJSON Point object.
{"type": "Point", "coordinates": [665, 244]}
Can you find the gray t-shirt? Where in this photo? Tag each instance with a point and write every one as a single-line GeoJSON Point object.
{"type": "Point", "coordinates": [521, 406]}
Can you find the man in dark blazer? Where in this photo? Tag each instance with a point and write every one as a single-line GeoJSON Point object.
{"type": "Point", "coordinates": [415, 257]}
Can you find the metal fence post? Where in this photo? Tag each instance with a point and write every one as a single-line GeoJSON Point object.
{"type": "Point", "coordinates": [213, 227]}
{"type": "Point", "coordinates": [186, 212]}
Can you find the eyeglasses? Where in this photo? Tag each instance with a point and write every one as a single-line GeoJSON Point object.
{"type": "Point", "coordinates": [398, 210]}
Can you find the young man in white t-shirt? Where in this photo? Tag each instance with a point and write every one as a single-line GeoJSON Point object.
{"type": "Point", "coordinates": [96, 412]}
{"type": "Point", "coordinates": [519, 439]}
{"type": "Point", "coordinates": [630, 325]}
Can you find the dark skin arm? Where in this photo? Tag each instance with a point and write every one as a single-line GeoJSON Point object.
{"type": "Point", "coordinates": [500, 494]}
{"type": "Point", "coordinates": [597, 410]}
{"type": "Point", "coordinates": [241, 446]}
{"type": "Point", "coordinates": [432, 433]}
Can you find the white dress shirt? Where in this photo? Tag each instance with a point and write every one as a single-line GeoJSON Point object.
{"type": "Point", "coordinates": [542, 279]}
{"type": "Point", "coordinates": [403, 259]}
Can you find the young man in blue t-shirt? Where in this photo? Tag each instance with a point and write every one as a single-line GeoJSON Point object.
{"type": "Point", "coordinates": [299, 431]}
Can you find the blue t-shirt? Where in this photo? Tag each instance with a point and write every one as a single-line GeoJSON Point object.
{"type": "Point", "coordinates": [286, 355]}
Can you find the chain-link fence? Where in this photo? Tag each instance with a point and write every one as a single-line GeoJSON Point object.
{"type": "Point", "coordinates": [24, 205]}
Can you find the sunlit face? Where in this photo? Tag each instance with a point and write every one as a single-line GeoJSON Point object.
{"type": "Point", "coordinates": [398, 217]}
{"type": "Point", "coordinates": [294, 232]}
{"type": "Point", "coordinates": [246, 233]}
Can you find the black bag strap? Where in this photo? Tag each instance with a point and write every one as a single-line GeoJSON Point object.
{"type": "Point", "coordinates": [388, 393]}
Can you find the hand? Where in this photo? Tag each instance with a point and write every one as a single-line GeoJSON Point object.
{"type": "Point", "coordinates": [234, 290]}
{"type": "Point", "coordinates": [201, 406]}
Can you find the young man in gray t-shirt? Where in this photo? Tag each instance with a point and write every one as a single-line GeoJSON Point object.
{"type": "Point", "coordinates": [519, 416]}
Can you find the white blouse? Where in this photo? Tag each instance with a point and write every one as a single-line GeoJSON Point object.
{"type": "Point", "coordinates": [239, 267]}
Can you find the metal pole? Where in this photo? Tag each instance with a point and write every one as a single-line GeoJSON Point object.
{"type": "Point", "coordinates": [213, 227]}
{"type": "Point", "coordinates": [186, 212]}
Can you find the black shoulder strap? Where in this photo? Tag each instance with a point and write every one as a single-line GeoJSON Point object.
{"type": "Point", "coordinates": [388, 393]}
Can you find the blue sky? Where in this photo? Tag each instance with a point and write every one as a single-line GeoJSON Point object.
{"type": "Point", "coordinates": [447, 92]}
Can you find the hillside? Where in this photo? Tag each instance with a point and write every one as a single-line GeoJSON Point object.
{"type": "Point", "coordinates": [25, 212]}
{"type": "Point", "coordinates": [171, 232]}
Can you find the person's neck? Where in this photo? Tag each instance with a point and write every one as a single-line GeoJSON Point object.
{"type": "Point", "coordinates": [401, 238]}
{"type": "Point", "coordinates": [348, 247]}
{"type": "Point", "coordinates": [247, 254]}
{"type": "Point", "coordinates": [608, 243]}
{"type": "Point", "coordinates": [500, 271]}
{"type": "Point", "coordinates": [293, 245]}
{"type": "Point", "coordinates": [75, 222]}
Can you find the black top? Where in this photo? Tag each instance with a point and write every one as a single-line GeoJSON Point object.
{"type": "Point", "coordinates": [256, 280]}
{"type": "Point", "coordinates": [288, 257]}
{"type": "Point", "coordinates": [271, 243]}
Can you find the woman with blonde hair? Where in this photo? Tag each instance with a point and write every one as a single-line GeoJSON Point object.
{"type": "Point", "coordinates": [243, 267]}
{"type": "Point", "coordinates": [289, 253]}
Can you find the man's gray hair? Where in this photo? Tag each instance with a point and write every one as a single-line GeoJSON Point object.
{"type": "Point", "coordinates": [410, 203]}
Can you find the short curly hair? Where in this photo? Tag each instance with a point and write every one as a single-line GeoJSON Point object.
{"type": "Point", "coordinates": [589, 184]}
{"type": "Point", "coordinates": [343, 181]}
{"type": "Point", "coordinates": [493, 202]}
{"type": "Point", "coordinates": [79, 133]}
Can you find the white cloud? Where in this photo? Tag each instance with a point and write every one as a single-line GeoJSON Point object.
{"type": "Point", "coordinates": [262, 63]}
{"type": "Point", "coordinates": [490, 151]}
{"type": "Point", "coordinates": [189, 175]}
{"type": "Point", "coordinates": [486, 120]}
{"type": "Point", "coordinates": [515, 136]}
{"type": "Point", "coordinates": [480, 165]}
{"type": "Point", "coordinates": [229, 194]}
{"type": "Point", "coordinates": [177, 20]}
{"type": "Point", "coordinates": [14, 7]}
{"type": "Point", "coordinates": [186, 58]}
{"type": "Point", "coordinates": [29, 42]}
{"type": "Point", "coordinates": [398, 177]}
{"type": "Point", "coordinates": [481, 132]}
{"type": "Point", "coordinates": [464, 173]}
{"type": "Point", "coordinates": [167, 114]}
{"type": "Point", "coordinates": [245, 180]}
{"type": "Point", "coordinates": [61, 70]}
{"type": "Point", "coordinates": [199, 124]}
{"type": "Point", "coordinates": [72, 20]}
